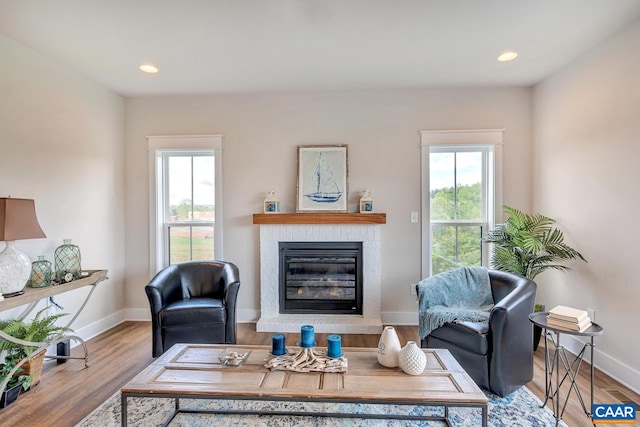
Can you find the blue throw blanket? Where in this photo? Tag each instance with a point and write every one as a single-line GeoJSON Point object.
{"type": "Point", "coordinates": [462, 294]}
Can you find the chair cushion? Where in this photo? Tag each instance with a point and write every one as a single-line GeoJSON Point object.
{"type": "Point", "coordinates": [194, 311]}
{"type": "Point", "coordinates": [469, 335]}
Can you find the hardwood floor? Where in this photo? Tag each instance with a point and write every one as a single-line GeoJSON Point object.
{"type": "Point", "coordinates": [68, 392]}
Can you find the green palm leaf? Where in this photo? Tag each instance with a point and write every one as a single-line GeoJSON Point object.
{"type": "Point", "coordinates": [528, 244]}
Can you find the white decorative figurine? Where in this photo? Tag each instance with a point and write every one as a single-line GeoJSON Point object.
{"type": "Point", "coordinates": [271, 203]}
{"type": "Point", "coordinates": [366, 202]}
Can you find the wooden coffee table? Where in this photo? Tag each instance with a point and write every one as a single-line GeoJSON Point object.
{"type": "Point", "coordinates": [194, 371]}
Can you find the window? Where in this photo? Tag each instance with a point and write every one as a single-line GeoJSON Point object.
{"type": "Point", "coordinates": [457, 206]}
{"type": "Point", "coordinates": [186, 199]}
{"type": "Point", "coordinates": [189, 204]}
{"type": "Point", "coordinates": [459, 197]}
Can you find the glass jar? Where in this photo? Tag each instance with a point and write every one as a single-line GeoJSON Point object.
{"type": "Point", "coordinates": [67, 262]}
{"type": "Point", "coordinates": [40, 273]}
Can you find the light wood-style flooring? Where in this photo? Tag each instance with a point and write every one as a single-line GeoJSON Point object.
{"type": "Point", "coordinates": [68, 392]}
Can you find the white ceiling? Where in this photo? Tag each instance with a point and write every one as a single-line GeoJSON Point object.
{"type": "Point", "coordinates": [224, 46]}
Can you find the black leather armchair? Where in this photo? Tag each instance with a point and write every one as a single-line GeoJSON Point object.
{"type": "Point", "coordinates": [193, 302]}
{"type": "Point", "coordinates": [498, 356]}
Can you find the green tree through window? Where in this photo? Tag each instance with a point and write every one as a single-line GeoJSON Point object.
{"type": "Point", "coordinates": [191, 205]}
{"type": "Point", "coordinates": [457, 206]}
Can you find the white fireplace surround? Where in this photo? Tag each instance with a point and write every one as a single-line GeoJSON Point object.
{"type": "Point", "coordinates": [271, 320]}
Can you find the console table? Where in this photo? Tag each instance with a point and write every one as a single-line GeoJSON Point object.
{"type": "Point", "coordinates": [553, 357]}
{"type": "Point", "coordinates": [32, 296]}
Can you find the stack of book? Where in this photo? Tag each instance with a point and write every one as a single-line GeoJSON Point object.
{"type": "Point", "coordinates": [564, 317]}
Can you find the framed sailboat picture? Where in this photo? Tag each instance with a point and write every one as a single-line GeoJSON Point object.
{"type": "Point", "coordinates": [322, 178]}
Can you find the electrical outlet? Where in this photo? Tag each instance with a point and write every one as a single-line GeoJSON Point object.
{"type": "Point", "coordinates": [414, 217]}
{"type": "Point", "coordinates": [412, 289]}
{"type": "Point", "coordinates": [592, 314]}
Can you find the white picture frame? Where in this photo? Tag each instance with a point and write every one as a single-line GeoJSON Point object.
{"type": "Point", "coordinates": [322, 178]}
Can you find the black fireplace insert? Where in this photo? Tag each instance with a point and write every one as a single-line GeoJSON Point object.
{"type": "Point", "coordinates": [321, 277]}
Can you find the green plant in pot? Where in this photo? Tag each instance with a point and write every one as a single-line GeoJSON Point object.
{"type": "Point", "coordinates": [41, 328]}
{"type": "Point", "coordinates": [528, 244]}
{"type": "Point", "coordinates": [15, 384]}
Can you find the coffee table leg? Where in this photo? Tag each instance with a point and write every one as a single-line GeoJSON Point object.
{"type": "Point", "coordinates": [445, 416]}
{"type": "Point", "coordinates": [123, 410]}
{"type": "Point", "coordinates": [176, 411]}
{"type": "Point", "coordinates": [484, 415]}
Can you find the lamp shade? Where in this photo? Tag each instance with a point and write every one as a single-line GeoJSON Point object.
{"type": "Point", "coordinates": [18, 220]}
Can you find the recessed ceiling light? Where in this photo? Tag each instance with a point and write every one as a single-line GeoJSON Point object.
{"type": "Point", "coordinates": [148, 68]}
{"type": "Point", "coordinates": [507, 56]}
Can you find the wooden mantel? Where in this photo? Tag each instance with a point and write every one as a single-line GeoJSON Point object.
{"type": "Point", "coordinates": [320, 218]}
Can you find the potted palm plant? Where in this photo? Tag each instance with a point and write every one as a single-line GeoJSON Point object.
{"type": "Point", "coordinates": [528, 244]}
{"type": "Point", "coordinates": [41, 328]}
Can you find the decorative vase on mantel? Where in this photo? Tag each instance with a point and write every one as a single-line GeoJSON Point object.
{"type": "Point", "coordinates": [366, 202]}
{"type": "Point", "coordinates": [388, 348]}
{"type": "Point", "coordinates": [412, 359]}
{"type": "Point", "coordinates": [271, 203]}
{"type": "Point", "coordinates": [67, 262]}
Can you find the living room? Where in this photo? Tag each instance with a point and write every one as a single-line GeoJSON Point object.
{"type": "Point", "coordinates": [79, 148]}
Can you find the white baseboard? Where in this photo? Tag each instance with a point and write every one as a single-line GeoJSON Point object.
{"type": "Point", "coordinates": [99, 326]}
{"type": "Point", "coordinates": [617, 370]}
{"type": "Point", "coordinates": [96, 328]}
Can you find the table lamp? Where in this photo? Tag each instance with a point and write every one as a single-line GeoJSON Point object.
{"type": "Point", "coordinates": [18, 221]}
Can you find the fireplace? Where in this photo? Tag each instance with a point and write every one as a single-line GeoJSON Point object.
{"type": "Point", "coordinates": [320, 277]}
{"type": "Point", "coordinates": [364, 229]}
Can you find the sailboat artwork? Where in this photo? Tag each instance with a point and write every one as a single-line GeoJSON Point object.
{"type": "Point", "coordinates": [327, 190]}
{"type": "Point", "coordinates": [322, 178]}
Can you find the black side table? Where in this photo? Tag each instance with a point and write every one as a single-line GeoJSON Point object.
{"type": "Point", "coordinates": [552, 363]}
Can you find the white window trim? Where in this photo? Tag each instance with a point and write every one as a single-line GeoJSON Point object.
{"type": "Point", "coordinates": [163, 143]}
{"type": "Point", "coordinates": [463, 138]}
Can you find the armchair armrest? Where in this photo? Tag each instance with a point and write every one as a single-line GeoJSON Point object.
{"type": "Point", "coordinates": [165, 287]}
{"type": "Point", "coordinates": [511, 335]}
{"type": "Point", "coordinates": [231, 288]}
{"type": "Point", "coordinates": [162, 289]}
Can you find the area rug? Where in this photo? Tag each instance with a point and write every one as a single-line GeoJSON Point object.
{"type": "Point", "coordinates": [519, 409]}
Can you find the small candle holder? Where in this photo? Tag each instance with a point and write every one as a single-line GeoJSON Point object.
{"type": "Point", "coordinates": [277, 345]}
{"type": "Point", "coordinates": [334, 346]}
{"type": "Point", "coordinates": [307, 337]}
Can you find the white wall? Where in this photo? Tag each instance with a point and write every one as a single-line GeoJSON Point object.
{"type": "Point", "coordinates": [261, 132]}
{"type": "Point", "coordinates": [586, 175]}
{"type": "Point", "coordinates": [61, 139]}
